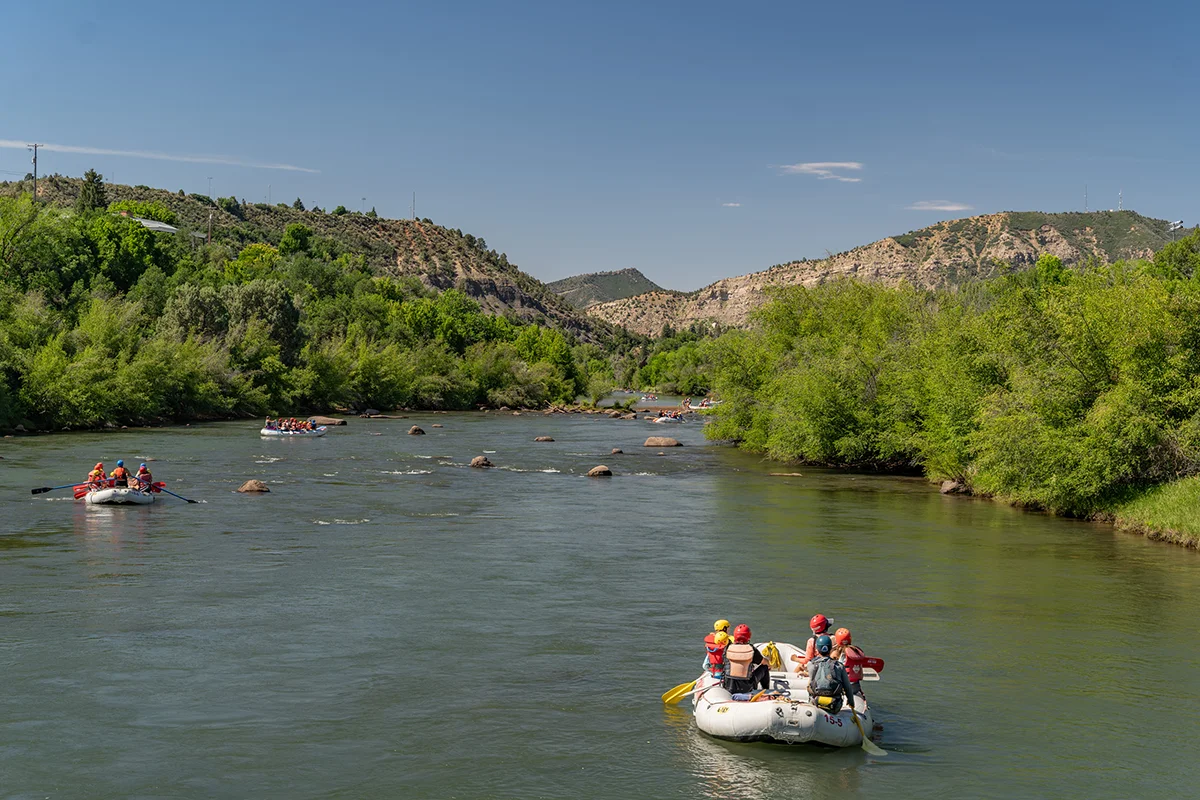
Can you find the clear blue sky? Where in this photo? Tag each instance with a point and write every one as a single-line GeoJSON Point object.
{"type": "Point", "coordinates": [649, 134]}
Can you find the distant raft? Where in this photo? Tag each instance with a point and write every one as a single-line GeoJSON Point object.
{"type": "Point", "coordinates": [787, 720]}
{"type": "Point", "coordinates": [118, 496]}
{"type": "Point", "coordinates": [320, 431]}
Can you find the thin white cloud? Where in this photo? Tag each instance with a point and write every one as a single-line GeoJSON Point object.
{"type": "Point", "coordinates": [731, 205]}
{"type": "Point", "coordinates": [938, 205]}
{"type": "Point", "coordinates": [824, 170]}
{"type": "Point", "coordinates": [229, 161]}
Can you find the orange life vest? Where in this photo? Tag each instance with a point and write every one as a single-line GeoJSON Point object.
{"type": "Point", "coordinates": [741, 660]}
{"type": "Point", "coordinates": [716, 653]}
{"type": "Point", "coordinates": [96, 476]}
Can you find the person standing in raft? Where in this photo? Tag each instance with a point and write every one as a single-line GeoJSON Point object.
{"type": "Point", "coordinates": [120, 475]}
{"type": "Point", "coordinates": [851, 658]}
{"type": "Point", "coordinates": [714, 648]}
{"type": "Point", "coordinates": [145, 481]}
{"type": "Point", "coordinates": [819, 624]}
{"type": "Point", "coordinates": [96, 478]}
{"type": "Point", "coordinates": [828, 683]}
{"type": "Point", "coordinates": [745, 671]}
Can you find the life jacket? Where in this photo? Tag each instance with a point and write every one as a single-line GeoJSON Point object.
{"type": "Point", "coordinates": [144, 475]}
{"type": "Point", "coordinates": [120, 475]}
{"type": "Point", "coordinates": [741, 660]}
{"type": "Point", "coordinates": [715, 662]}
{"type": "Point", "coordinates": [96, 476]}
{"type": "Point", "coordinates": [854, 659]}
{"type": "Point", "coordinates": [825, 680]}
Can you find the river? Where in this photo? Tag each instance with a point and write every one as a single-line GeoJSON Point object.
{"type": "Point", "coordinates": [388, 622]}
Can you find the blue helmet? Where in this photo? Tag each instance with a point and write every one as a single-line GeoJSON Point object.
{"type": "Point", "coordinates": [141, 466]}
{"type": "Point", "coordinates": [824, 644]}
{"type": "Point", "coordinates": [120, 463]}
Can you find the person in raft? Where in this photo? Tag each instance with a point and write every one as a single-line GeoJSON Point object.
{"type": "Point", "coordinates": [745, 670]}
{"type": "Point", "coordinates": [145, 481]}
{"type": "Point", "coordinates": [120, 475]}
{"type": "Point", "coordinates": [851, 658]}
{"type": "Point", "coordinates": [714, 648]}
{"type": "Point", "coordinates": [96, 478]}
{"type": "Point", "coordinates": [828, 683]}
{"type": "Point", "coordinates": [819, 624]}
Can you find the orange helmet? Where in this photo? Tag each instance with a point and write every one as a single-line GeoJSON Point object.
{"type": "Point", "coordinates": [741, 634]}
{"type": "Point", "coordinates": [819, 623]}
{"type": "Point", "coordinates": [842, 636]}
{"type": "Point", "coordinates": [99, 466]}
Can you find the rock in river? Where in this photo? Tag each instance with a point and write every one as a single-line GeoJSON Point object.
{"type": "Point", "coordinates": [328, 421]}
{"type": "Point", "coordinates": [662, 441]}
{"type": "Point", "coordinates": [481, 462]}
{"type": "Point", "coordinates": [415, 431]}
{"type": "Point", "coordinates": [616, 451]}
{"type": "Point", "coordinates": [543, 438]}
{"type": "Point", "coordinates": [253, 486]}
{"type": "Point", "coordinates": [599, 472]}
{"type": "Point", "coordinates": [438, 425]}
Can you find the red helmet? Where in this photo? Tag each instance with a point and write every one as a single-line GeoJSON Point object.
{"type": "Point", "coordinates": [842, 636]}
{"type": "Point", "coordinates": [819, 624]}
{"type": "Point", "coordinates": [741, 633]}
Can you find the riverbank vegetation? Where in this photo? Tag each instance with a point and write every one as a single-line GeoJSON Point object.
{"type": "Point", "coordinates": [1071, 390]}
{"type": "Point", "coordinates": [104, 321]}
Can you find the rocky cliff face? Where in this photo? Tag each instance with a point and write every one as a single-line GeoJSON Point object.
{"type": "Point", "coordinates": [944, 254]}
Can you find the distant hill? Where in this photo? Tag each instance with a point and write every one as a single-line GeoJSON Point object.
{"type": "Point", "coordinates": [589, 289]}
{"type": "Point", "coordinates": [441, 258]}
{"type": "Point", "coordinates": [947, 253]}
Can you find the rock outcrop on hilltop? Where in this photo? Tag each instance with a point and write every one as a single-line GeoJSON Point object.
{"type": "Point", "coordinates": [945, 254]}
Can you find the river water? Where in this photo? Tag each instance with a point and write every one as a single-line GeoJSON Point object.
{"type": "Point", "coordinates": [388, 622]}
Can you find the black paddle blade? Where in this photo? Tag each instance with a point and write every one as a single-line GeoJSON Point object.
{"type": "Point", "coordinates": [41, 490]}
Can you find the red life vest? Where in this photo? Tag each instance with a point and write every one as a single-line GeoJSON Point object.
{"type": "Point", "coordinates": [854, 663]}
{"type": "Point", "coordinates": [716, 653]}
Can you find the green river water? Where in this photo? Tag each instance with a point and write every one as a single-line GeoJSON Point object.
{"type": "Point", "coordinates": [390, 623]}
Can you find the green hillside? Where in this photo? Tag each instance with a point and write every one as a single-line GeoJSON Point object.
{"type": "Point", "coordinates": [589, 289]}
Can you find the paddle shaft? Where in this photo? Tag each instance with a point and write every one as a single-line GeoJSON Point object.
{"type": "Point", "coordinates": [44, 489]}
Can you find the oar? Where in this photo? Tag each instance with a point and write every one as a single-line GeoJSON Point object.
{"type": "Point", "coordinates": [867, 744]}
{"type": "Point", "coordinates": [159, 487]}
{"type": "Point", "coordinates": [678, 693]}
{"type": "Point", "coordinates": [874, 663]}
{"type": "Point", "coordinates": [44, 489]}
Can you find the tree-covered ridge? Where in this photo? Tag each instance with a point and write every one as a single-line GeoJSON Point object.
{"type": "Point", "coordinates": [105, 321]}
{"type": "Point", "coordinates": [439, 257]}
{"type": "Point", "coordinates": [1069, 390]}
{"type": "Point", "coordinates": [590, 288]}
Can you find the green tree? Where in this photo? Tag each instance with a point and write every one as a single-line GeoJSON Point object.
{"type": "Point", "coordinates": [339, 211]}
{"type": "Point", "coordinates": [298, 205]}
{"type": "Point", "coordinates": [295, 239]}
{"type": "Point", "coordinates": [92, 196]}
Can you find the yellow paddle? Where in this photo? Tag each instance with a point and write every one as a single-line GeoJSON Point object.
{"type": "Point", "coordinates": [678, 693]}
{"type": "Point", "coordinates": [867, 744]}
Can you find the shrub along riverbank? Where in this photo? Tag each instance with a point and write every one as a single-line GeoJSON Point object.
{"type": "Point", "coordinates": [103, 321]}
{"type": "Point", "coordinates": [1073, 391]}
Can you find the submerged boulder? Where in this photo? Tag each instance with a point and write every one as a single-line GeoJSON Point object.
{"type": "Point", "coordinates": [327, 421]}
{"type": "Point", "coordinates": [253, 487]}
{"type": "Point", "coordinates": [616, 451]}
{"type": "Point", "coordinates": [662, 441]}
{"type": "Point", "coordinates": [599, 472]}
{"type": "Point", "coordinates": [543, 438]}
{"type": "Point", "coordinates": [481, 462]}
{"type": "Point", "coordinates": [438, 425]}
{"type": "Point", "coordinates": [415, 431]}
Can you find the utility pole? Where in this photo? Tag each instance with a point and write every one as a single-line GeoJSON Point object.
{"type": "Point", "coordinates": [210, 216]}
{"type": "Point", "coordinates": [1120, 200]}
{"type": "Point", "coordinates": [1085, 198]}
{"type": "Point", "coordinates": [414, 207]}
{"type": "Point", "coordinates": [34, 148]}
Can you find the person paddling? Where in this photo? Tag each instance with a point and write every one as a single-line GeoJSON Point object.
{"type": "Point", "coordinates": [819, 625]}
{"type": "Point", "coordinates": [120, 475]}
{"type": "Point", "coordinates": [144, 479]}
{"type": "Point", "coordinates": [96, 478]}
{"type": "Point", "coordinates": [746, 671]}
{"type": "Point", "coordinates": [714, 647]}
{"type": "Point", "coordinates": [828, 683]}
{"type": "Point", "coordinates": [851, 657]}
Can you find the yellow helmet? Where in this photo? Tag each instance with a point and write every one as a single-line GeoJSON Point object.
{"type": "Point", "coordinates": [721, 639]}
{"type": "Point", "coordinates": [721, 625]}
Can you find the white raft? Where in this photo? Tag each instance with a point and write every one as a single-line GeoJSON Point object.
{"type": "Point", "coordinates": [786, 721]}
{"type": "Point", "coordinates": [300, 434]}
{"type": "Point", "coordinates": [118, 496]}
{"type": "Point", "coordinates": [668, 419]}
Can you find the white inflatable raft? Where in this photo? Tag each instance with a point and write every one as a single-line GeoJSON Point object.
{"type": "Point", "coordinates": [668, 419]}
{"type": "Point", "coordinates": [299, 434]}
{"type": "Point", "coordinates": [118, 497]}
{"type": "Point", "coordinates": [791, 720]}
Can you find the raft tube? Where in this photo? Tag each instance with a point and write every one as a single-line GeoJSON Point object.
{"type": "Point", "coordinates": [302, 434]}
{"type": "Point", "coordinates": [118, 497]}
{"type": "Point", "coordinates": [789, 720]}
